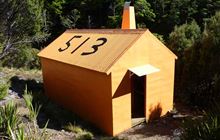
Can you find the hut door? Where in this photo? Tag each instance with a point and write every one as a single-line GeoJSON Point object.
{"type": "Point", "coordinates": [138, 96]}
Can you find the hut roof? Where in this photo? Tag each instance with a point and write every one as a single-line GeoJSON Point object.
{"type": "Point", "coordinates": [92, 49]}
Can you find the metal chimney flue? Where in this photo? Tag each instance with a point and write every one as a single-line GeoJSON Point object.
{"type": "Point", "coordinates": [128, 19]}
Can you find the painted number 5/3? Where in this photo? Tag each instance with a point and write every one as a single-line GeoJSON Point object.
{"type": "Point", "coordinates": [95, 47]}
{"type": "Point", "coordinates": [101, 41]}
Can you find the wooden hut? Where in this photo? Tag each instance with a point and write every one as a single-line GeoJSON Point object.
{"type": "Point", "coordinates": [110, 77]}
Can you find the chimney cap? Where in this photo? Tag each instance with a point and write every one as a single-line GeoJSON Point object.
{"type": "Point", "coordinates": [129, 3]}
{"type": "Point", "coordinates": [128, 20]}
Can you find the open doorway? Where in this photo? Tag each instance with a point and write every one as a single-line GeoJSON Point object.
{"type": "Point", "coordinates": [138, 86]}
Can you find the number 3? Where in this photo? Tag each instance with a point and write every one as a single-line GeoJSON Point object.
{"type": "Point", "coordinates": [95, 47]}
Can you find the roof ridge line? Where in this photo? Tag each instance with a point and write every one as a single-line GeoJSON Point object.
{"type": "Point", "coordinates": [130, 45]}
{"type": "Point", "coordinates": [108, 31]}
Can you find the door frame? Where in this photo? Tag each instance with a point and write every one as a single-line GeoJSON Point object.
{"type": "Point", "coordinates": [132, 93]}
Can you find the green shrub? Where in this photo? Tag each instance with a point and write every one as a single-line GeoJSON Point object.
{"type": "Point", "coordinates": [3, 90]}
{"type": "Point", "coordinates": [160, 37]}
{"type": "Point", "coordinates": [207, 128]}
{"type": "Point", "coordinates": [23, 56]}
{"type": "Point", "coordinates": [184, 37]}
{"type": "Point", "coordinates": [197, 79]}
{"type": "Point", "coordinates": [114, 21]}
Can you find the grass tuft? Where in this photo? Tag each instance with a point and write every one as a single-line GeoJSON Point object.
{"type": "Point", "coordinates": [9, 119]}
{"type": "Point", "coordinates": [85, 136]}
{"type": "Point", "coordinates": [20, 135]}
{"type": "Point", "coordinates": [3, 90]}
{"type": "Point", "coordinates": [33, 110]}
{"type": "Point", "coordinates": [35, 134]}
{"type": "Point", "coordinates": [73, 128]}
{"type": "Point", "coordinates": [206, 128]}
{"type": "Point", "coordinates": [82, 134]}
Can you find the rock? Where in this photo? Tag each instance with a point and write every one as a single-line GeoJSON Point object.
{"type": "Point", "coordinates": [179, 116]}
{"type": "Point", "coordinates": [173, 112]}
{"type": "Point", "coordinates": [177, 132]}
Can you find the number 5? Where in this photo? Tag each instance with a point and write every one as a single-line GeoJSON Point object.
{"type": "Point", "coordinates": [68, 43]}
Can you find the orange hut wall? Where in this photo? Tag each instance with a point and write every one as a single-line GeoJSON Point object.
{"type": "Point", "coordinates": [86, 92]}
{"type": "Point", "coordinates": [121, 84]}
{"type": "Point", "coordinates": [159, 85]}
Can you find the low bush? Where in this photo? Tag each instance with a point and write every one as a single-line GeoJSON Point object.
{"type": "Point", "coordinates": [22, 57]}
{"type": "Point", "coordinates": [207, 128]}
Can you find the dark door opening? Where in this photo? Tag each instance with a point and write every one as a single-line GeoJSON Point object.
{"type": "Point", "coordinates": [138, 96]}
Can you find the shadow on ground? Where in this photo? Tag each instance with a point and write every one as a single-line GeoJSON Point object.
{"type": "Point", "coordinates": [19, 84]}
{"type": "Point", "coordinates": [59, 117]}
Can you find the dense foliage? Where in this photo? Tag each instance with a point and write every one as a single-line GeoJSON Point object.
{"type": "Point", "coordinates": [35, 20]}
{"type": "Point", "coordinates": [206, 128]}
{"type": "Point", "coordinates": [198, 74]}
{"type": "Point", "coordinates": [21, 22]}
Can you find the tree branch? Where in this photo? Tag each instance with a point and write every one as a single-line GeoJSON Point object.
{"type": "Point", "coordinates": [20, 42]}
{"type": "Point", "coordinates": [9, 46]}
